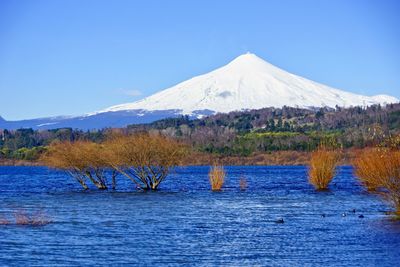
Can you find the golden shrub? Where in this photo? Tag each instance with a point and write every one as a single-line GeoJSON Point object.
{"type": "Point", "coordinates": [370, 167]}
{"type": "Point", "coordinates": [216, 177]}
{"type": "Point", "coordinates": [379, 169]}
{"type": "Point", "coordinates": [83, 160]}
{"type": "Point", "coordinates": [143, 158]}
{"type": "Point", "coordinates": [322, 167]}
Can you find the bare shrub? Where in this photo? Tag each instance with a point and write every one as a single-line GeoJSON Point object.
{"type": "Point", "coordinates": [143, 158]}
{"type": "Point", "coordinates": [216, 177]}
{"type": "Point", "coordinates": [21, 218]}
{"type": "Point", "coordinates": [4, 221]}
{"type": "Point", "coordinates": [39, 218]}
{"type": "Point", "coordinates": [35, 219]}
{"type": "Point", "coordinates": [322, 167]}
{"type": "Point", "coordinates": [391, 181]}
{"type": "Point", "coordinates": [83, 160]}
{"type": "Point", "coordinates": [370, 168]}
{"type": "Point", "coordinates": [380, 168]}
{"type": "Point", "coordinates": [243, 183]}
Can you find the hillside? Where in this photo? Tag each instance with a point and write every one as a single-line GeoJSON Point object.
{"type": "Point", "coordinates": [237, 134]}
{"type": "Point", "coordinates": [270, 129]}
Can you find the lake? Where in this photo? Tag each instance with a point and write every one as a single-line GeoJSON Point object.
{"type": "Point", "coordinates": [186, 224]}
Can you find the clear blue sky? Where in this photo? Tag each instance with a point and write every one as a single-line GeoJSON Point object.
{"type": "Point", "coordinates": [73, 57]}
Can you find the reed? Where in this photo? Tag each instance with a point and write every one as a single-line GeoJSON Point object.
{"type": "Point", "coordinates": [322, 167]}
{"type": "Point", "coordinates": [217, 177]}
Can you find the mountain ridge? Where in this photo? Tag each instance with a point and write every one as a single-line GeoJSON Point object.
{"type": "Point", "coordinates": [246, 83]}
{"type": "Point", "coordinates": [249, 82]}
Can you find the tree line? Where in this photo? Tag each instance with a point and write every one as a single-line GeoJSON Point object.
{"type": "Point", "coordinates": [282, 129]}
{"type": "Point", "coordinates": [236, 133]}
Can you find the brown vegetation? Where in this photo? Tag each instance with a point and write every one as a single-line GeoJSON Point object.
{"type": "Point", "coordinates": [216, 177]}
{"type": "Point", "coordinates": [259, 159]}
{"type": "Point", "coordinates": [13, 162]}
{"type": "Point", "coordinates": [370, 167]}
{"type": "Point", "coordinates": [322, 167]}
{"type": "Point", "coordinates": [243, 183]}
{"type": "Point", "coordinates": [145, 159]}
{"type": "Point", "coordinates": [4, 221]}
{"type": "Point", "coordinates": [271, 158]}
{"type": "Point", "coordinates": [35, 219]}
{"type": "Point", "coordinates": [83, 160]}
{"type": "Point", "coordinates": [23, 218]}
{"type": "Point", "coordinates": [379, 169]}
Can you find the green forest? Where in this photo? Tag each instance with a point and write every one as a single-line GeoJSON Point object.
{"type": "Point", "coordinates": [236, 133]}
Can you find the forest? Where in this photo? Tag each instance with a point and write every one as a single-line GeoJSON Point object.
{"type": "Point", "coordinates": [241, 133]}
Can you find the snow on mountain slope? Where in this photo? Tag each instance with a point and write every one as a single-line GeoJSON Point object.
{"type": "Point", "coordinates": [249, 82]}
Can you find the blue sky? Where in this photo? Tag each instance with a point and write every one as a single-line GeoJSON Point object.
{"type": "Point", "coordinates": [73, 57]}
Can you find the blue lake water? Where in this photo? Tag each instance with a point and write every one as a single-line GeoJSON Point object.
{"type": "Point", "coordinates": [186, 224]}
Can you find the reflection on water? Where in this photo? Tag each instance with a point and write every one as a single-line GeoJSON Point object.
{"type": "Point", "coordinates": [186, 223]}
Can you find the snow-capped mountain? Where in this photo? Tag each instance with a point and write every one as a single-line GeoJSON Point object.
{"type": "Point", "coordinates": [248, 82]}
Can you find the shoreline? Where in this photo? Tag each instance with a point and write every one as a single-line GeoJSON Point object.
{"type": "Point", "coordinates": [278, 158]}
{"type": "Point", "coordinates": [11, 162]}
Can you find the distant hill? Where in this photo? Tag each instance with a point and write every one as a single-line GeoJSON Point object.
{"type": "Point", "coordinates": [90, 122]}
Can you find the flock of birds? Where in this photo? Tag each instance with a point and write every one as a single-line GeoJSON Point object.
{"type": "Point", "coordinates": [344, 214]}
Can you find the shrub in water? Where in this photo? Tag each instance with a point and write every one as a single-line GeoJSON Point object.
{"type": "Point", "coordinates": [380, 168]}
{"type": "Point", "coordinates": [217, 177]}
{"type": "Point", "coordinates": [370, 168]}
{"type": "Point", "coordinates": [21, 218]}
{"type": "Point", "coordinates": [83, 160]}
{"type": "Point", "coordinates": [34, 219]}
{"type": "Point", "coordinates": [143, 158]}
{"type": "Point", "coordinates": [4, 221]}
{"type": "Point", "coordinates": [243, 183]}
{"type": "Point", "coordinates": [322, 167]}
{"type": "Point", "coordinates": [391, 182]}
